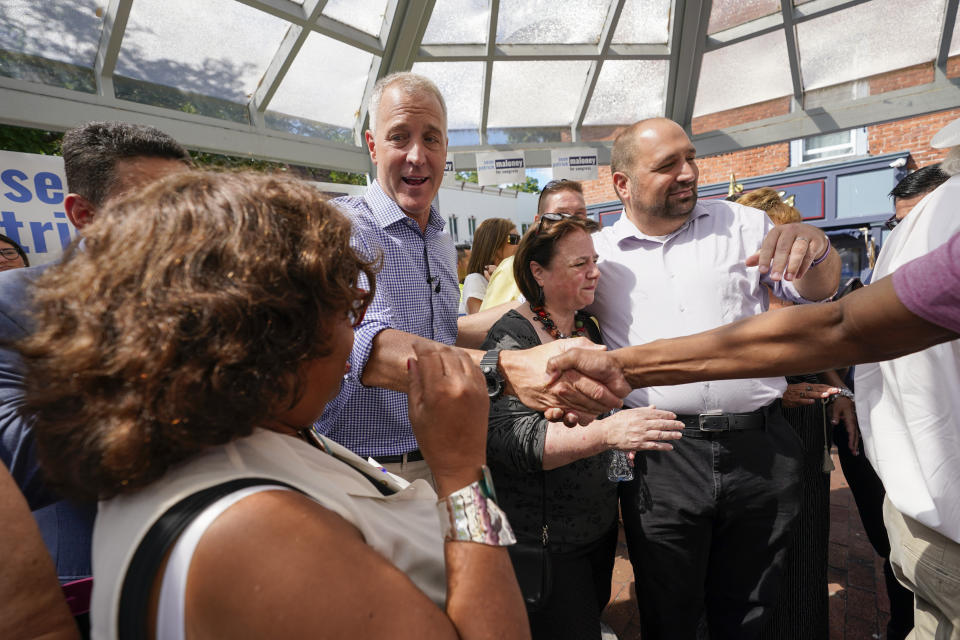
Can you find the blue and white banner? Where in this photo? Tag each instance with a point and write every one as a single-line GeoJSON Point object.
{"type": "Point", "coordinates": [574, 164]}
{"type": "Point", "coordinates": [505, 167]}
{"type": "Point", "coordinates": [32, 190]}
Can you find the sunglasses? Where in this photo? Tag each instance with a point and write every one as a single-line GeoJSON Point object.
{"type": "Point", "coordinates": [552, 217]}
{"type": "Point", "coordinates": [513, 238]}
{"type": "Point", "coordinates": [891, 222]}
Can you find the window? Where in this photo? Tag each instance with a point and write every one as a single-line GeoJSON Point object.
{"type": "Point", "coordinates": [472, 225]}
{"type": "Point", "coordinates": [840, 144]}
{"type": "Point", "coordinates": [452, 228]}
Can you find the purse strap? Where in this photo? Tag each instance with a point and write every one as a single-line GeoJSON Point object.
{"type": "Point", "coordinates": [143, 568]}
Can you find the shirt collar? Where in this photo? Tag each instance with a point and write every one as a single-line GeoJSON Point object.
{"type": "Point", "coordinates": [625, 229]}
{"type": "Point", "coordinates": [385, 211]}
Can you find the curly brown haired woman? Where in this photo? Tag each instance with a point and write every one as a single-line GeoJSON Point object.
{"type": "Point", "coordinates": [183, 355]}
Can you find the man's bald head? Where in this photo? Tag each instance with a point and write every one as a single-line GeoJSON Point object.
{"type": "Point", "coordinates": [637, 138]}
{"type": "Point", "coordinates": [655, 174]}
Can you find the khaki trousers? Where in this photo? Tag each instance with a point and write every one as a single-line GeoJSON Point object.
{"type": "Point", "coordinates": [927, 563]}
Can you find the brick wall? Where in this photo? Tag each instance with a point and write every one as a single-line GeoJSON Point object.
{"type": "Point", "coordinates": [745, 163]}
{"type": "Point", "coordinates": [740, 115]}
{"type": "Point", "coordinates": [910, 134]}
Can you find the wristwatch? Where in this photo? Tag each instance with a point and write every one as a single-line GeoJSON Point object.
{"type": "Point", "coordinates": [488, 366]}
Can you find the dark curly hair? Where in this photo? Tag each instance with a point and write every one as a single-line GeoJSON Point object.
{"type": "Point", "coordinates": [183, 323]}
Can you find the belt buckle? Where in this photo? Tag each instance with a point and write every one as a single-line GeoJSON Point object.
{"type": "Point", "coordinates": [713, 422]}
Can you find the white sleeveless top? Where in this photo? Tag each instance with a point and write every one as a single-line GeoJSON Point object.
{"type": "Point", "coordinates": [403, 527]}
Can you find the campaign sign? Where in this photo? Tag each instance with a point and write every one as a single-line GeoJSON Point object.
{"type": "Point", "coordinates": [32, 190]}
{"type": "Point", "coordinates": [506, 167]}
{"type": "Point", "coordinates": [574, 164]}
{"type": "Point", "coordinates": [448, 170]}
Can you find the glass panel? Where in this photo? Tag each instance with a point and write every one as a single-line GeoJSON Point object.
{"type": "Point", "coordinates": [187, 101]}
{"type": "Point", "coordinates": [184, 44]}
{"type": "Point", "coordinates": [366, 15]}
{"type": "Point", "coordinates": [868, 39]}
{"type": "Point", "coordinates": [535, 94]}
{"type": "Point", "coordinates": [745, 73]}
{"type": "Point", "coordinates": [61, 30]}
{"type": "Point", "coordinates": [523, 135]}
{"type": "Point", "coordinates": [52, 42]}
{"type": "Point", "coordinates": [305, 127]}
{"type": "Point", "coordinates": [550, 22]}
{"type": "Point", "coordinates": [627, 91]}
{"type": "Point", "coordinates": [461, 84]}
{"type": "Point", "coordinates": [325, 83]}
{"type": "Point", "coordinates": [463, 137]}
{"type": "Point", "coordinates": [458, 22]}
{"type": "Point", "coordinates": [865, 194]}
{"type": "Point", "coordinates": [731, 13]}
{"type": "Point", "coordinates": [955, 38]}
{"type": "Point", "coordinates": [643, 22]}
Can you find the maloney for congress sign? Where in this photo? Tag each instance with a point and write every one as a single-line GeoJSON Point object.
{"type": "Point", "coordinates": [500, 168]}
{"type": "Point", "coordinates": [32, 190]}
{"type": "Point", "coordinates": [574, 164]}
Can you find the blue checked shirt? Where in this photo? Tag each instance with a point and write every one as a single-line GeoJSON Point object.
{"type": "Point", "coordinates": [367, 420]}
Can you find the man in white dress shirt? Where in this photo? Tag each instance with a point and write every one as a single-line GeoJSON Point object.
{"type": "Point", "coordinates": [707, 524]}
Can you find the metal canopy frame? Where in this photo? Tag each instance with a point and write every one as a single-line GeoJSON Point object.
{"type": "Point", "coordinates": [399, 46]}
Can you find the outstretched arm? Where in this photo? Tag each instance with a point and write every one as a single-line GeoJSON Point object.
{"type": "Point", "coordinates": [868, 325]}
{"type": "Point", "coordinates": [524, 372]}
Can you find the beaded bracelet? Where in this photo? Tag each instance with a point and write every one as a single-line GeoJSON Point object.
{"type": "Point", "coordinates": [823, 257]}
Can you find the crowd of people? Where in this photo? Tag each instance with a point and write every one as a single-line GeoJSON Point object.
{"type": "Point", "coordinates": [281, 410]}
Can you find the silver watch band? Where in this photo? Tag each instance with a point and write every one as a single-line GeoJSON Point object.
{"type": "Point", "coordinates": [469, 515]}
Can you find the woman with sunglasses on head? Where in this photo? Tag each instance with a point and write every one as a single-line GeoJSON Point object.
{"type": "Point", "coordinates": [180, 361]}
{"type": "Point", "coordinates": [12, 255]}
{"type": "Point", "coordinates": [494, 240]}
{"type": "Point", "coordinates": [552, 481]}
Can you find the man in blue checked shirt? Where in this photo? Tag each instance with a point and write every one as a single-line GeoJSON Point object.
{"type": "Point", "coordinates": [417, 293]}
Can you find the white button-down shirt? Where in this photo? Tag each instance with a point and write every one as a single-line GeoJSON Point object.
{"type": "Point", "coordinates": [689, 281]}
{"type": "Point", "coordinates": [909, 408]}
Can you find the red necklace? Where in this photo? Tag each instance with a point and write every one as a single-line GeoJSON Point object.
{"type": "Point", "coordinates": [540, 315]}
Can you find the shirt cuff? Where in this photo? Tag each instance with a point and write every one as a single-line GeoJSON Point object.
{"type": "Point", "coordinates": [363, 337]}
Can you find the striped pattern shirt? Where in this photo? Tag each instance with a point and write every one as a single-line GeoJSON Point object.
{"type": "Point", "coordinates": [417, 293]}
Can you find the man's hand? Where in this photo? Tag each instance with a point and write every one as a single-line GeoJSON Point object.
{"type": "Point", "coordinates": [788, 250]}
{"type": "Point", "coordinates": [842, 409]}
{"type": "Point", "coordinates": [574, 395]}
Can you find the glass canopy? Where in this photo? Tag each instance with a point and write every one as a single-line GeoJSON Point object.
{"type": "Point", "coordinates": [289, 80]}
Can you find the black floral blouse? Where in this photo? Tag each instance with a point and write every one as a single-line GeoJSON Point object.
{"type": "Point", "coordinates": [581, 503]}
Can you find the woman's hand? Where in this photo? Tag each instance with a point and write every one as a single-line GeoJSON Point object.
{"type": "Point", "coordinates": [641, 429]}
{"type": "Point", "coordinates": [448, 411]}
{"type": "Point", "coordinates": [801, 394]}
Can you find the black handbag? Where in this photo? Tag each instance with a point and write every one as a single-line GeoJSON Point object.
{"type": "Point", "coordinates": [531, 561]}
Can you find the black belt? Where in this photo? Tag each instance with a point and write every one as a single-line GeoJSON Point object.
{"type": "Point", "coordinates": [704, 423]}
{"type": "Point", "coordinates": [410, 456]}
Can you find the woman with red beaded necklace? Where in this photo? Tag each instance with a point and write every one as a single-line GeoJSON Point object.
{"type": "Point", "coordinates": [552, 480]}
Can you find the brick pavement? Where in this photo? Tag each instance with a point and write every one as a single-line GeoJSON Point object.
{"type": "Point", "coordinates": [859, 609]}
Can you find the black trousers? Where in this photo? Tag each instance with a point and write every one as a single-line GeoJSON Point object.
{"type": "Point", "coordinates": [581, 589]}
{"type": "Point", "coordinates": [708, 545]}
